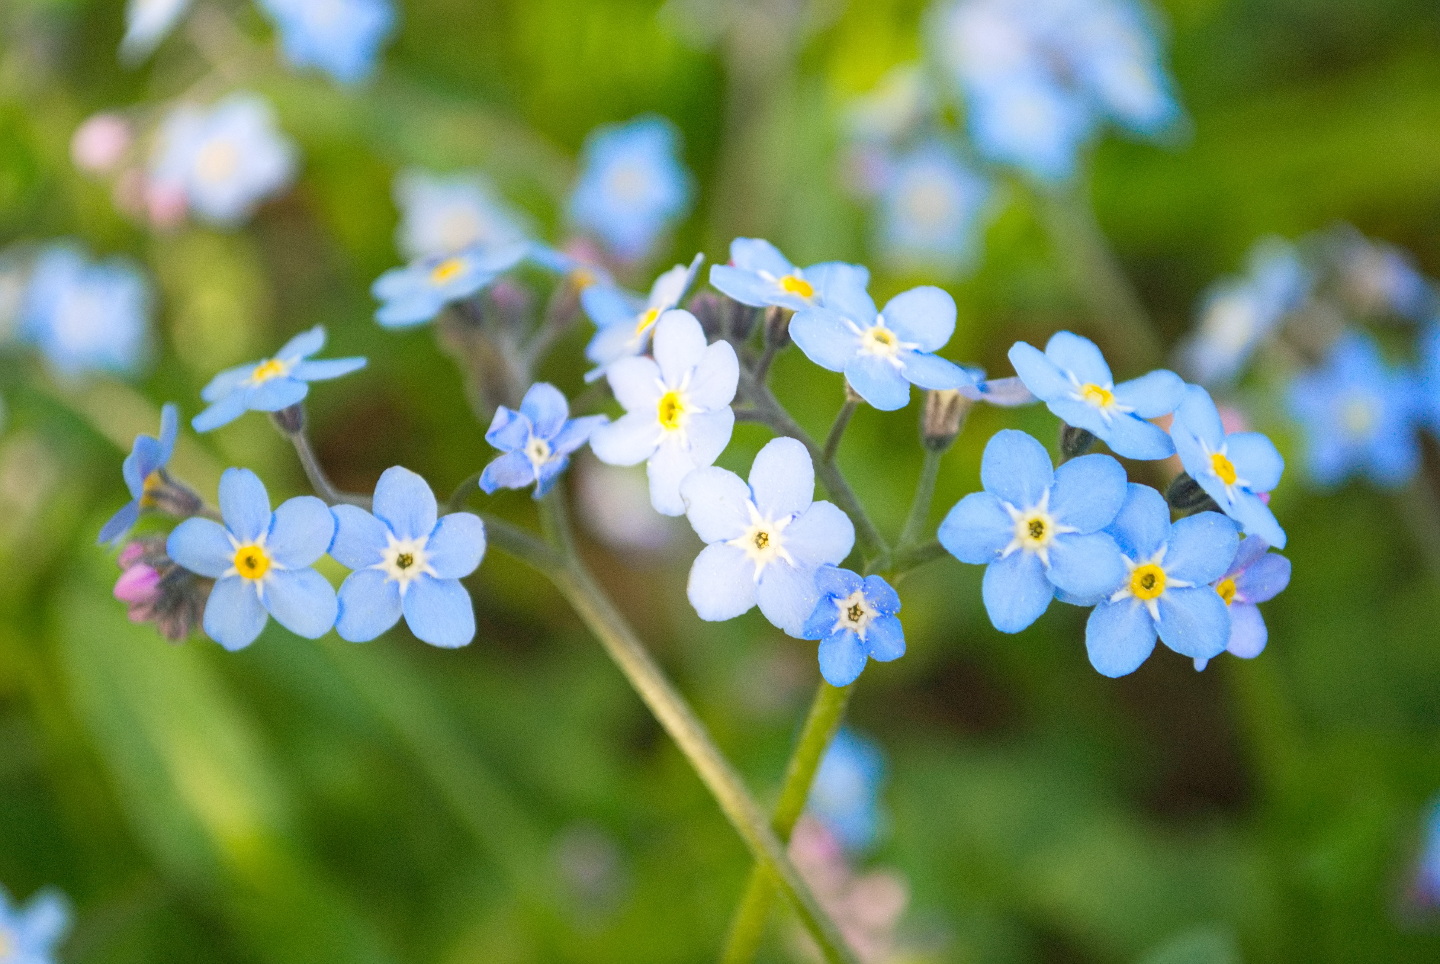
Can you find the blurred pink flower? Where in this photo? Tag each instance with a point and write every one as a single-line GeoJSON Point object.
{"type": "Point", "coordinates": [100, 143]}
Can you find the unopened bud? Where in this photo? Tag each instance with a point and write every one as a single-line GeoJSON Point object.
{"type": "Point", "coordinates": [777, 326]}
{"type": "Point", "coordinates": [1186, 496]}
{"type": "Point", "coordinates": [291, 420]}
{"type": "Point", "coordinates": [157, 590]}
{"type": "Point", "coordinates": [943, 417]}
{"type": "Point", "coordinates": [170, 496]}
{"type": "Point", "coordinates": [1074, 442]}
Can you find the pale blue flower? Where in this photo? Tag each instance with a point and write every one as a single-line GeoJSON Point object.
{"type": "Point", "coordinates": [86, 317]}
{"type": "Point", "coordinates": [537, 441]}
{"type": "Point", "coordinates": [1233, 469]}
{"type": "Point", "coordinates": [417, 292]}
{"type": "Point", "coordinates": [882, 353]}
{"type": "Point", "coordinates": [677, 408]}
{"type": "Point", "coordinates": [1256, 575]}
{"type": "Point", "coordinates": [1425, 888]}
{"type": "Point", "coordinates": [260, 562]}
{"type": "Point", "coordinates": [1073, 380]}
{"type": "Point", "coordinates": [632, 185]}
{"type": "Point", "coordinates": [144, 472]}
{"type": "Point", "coordinates": [625, 323]}
{"type": "Point", "coordinates": [443, 214]}
{"type": "Point", "coordinates": [1037, 529]}
{"type": "Point", "coordinates": [854, 620]}
{"type": "Point", "coordinates": [406, 562]}
{"type": "Point", "coordinates": [759, 275]}
{"type": "Point", "coordinates": [1380, 279]}
{"type": "Point", "coordinates": [147, 22]}
{"type": "Point", "coordinates": [845, 795]}
{"type": "Point", "coordinates": [341, 37]}
{"type": "Point", "coordinates": [1031, 123]}
{"type": "Point", "coordinates": [222, 161]}
{"type": "Point", "coordinates": [31, 934]}
{"type": "Point", "coordinates": [272, 384]}
{"type": "Point", "coordinates": [930, 210]}
{"type": "Point", "coordinates": [765, 540]}
{"type": "Point", "coordinates": [1167, 589]}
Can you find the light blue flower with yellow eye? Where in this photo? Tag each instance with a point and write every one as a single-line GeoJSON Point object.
{"type": "Point", "coordinates": [84, 316]}
{"type": "Point", "coordinates": [1233, 468]}
{"type": "Point", "coordinates": [632, 185]}
{"type": "Point", "coordinates": [764, 540]}
{"type": "Point", "coordinates": [759, 275]}
{"type": "Point", "coordinates": [260, 562]}
{"type": "Point", "coordinates": [931, 210]}
{"type": "Point", "coordinates": [854, 620]}
{"type": "Point", "coordinates": [408, 562]}
{"type": "Point", "coordinates": [144, 472]}
{"type": "Point", "coordinates": [677, 408]}
{"type": "Point", "coordinates": [445, 214]}
{"type": "Point", "coordinates": [1167, 588]}
{"type": "Point", "coordinates": [416, 293]}
{"type": "Point", "coordinates": [882, 353]}
{"type": "Point", "coordinates": [272, 384]}
{"type": "Point", "coordinates": [1256, 575]}
{"type": "Point", "coordinates": [31, 934]}
{"type": "Point", "coordinates": [537, 440]}
{"type": "Point", "coordinates": [1073, 380]}
{"type": "Point", "coordinates": [625, 323]}
{"type": "Point", "coordinates": [341, 37]}
{"type": "Point", "coordinates": [845, 795]}
{"type": "Point", "coordinates": [1037, 529]}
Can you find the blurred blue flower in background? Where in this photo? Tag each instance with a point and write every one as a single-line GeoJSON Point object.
{"type": "Point", "coordinates": [677, 408]}
{"type": "Point", "coordinates": [624, 322]}
{"type": "Point", "coordinates": [1256, 575]}
{"type": "Point", "coordinates": [272, 384]}
{"type": "Point", "coordinates": [882, 353]}
{"type": "Point", "coordinates": [406, 562]}
{"type": "Point", "coordinates": [1037, 529]}
{"type": "Point", "coordinates": [86, 317]}
{"type": "Point", "coordinates": [1235, 469]}
{"type": "Point", "coordinates": [417, 292]}
{"type": "Point", "coordinates": [537, 441]}
{"type": "Point", "coordinates": [260, 562]}
{"type": "Point", "coordinates": [1359, 415]}
{"type": "Point", "coordinates": [1073, 380]}
{"type": "Point", "coordinates": [765, 540]}
{"type": "Point", "coordinates": [146, 24]}
{"type": "Point", "coordinates": [222, 162]}
{"type": "Point", "coordinates": [759, 275]}
{"type": "Point", "coordinates": [1425, 886]}
{"type": "Point", "coordinates": [1379, 279]}
{"type": "Point", "coordinates": [143, 470]}
{"type": "Point", "coordinates": [31, 934]}
{"type": "Point", "coordinates": [632, 185]}
{"type": "Point", "coordinates": [845, 795]}
{"type": "Point", "coordinates": [444, 214]}
{"type": "Point", "coordinates": [1167, 589]}
{"type": "Point", "coordinates": [340, 37]}
{"type": "Point", "coordinates": [854, 620]}
{"type": "Point", "coordinates": [931, 210]}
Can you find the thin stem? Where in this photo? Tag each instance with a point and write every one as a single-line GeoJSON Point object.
{"type": "Point", "coordinates": [319, 481]}
{"type": "Point", "coordinates": [560, 313]}
{"type": "Point", "coordinates": [461, 496]}
{"type": "Point", "coordinates": [924, 499]}
{"type": "Point", "coordinates": [767, 356]}
{"type": "Point", "coordinates": [821, 725]}
{"type": "Point", "coordinates": [914, 557]}
{"type": "Point", "coordinates": [514, 540]}
{"type": "Point", "coordinates": [837, 429]}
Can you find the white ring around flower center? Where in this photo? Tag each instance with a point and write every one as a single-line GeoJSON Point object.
{"type": "Point", "coordinates": [763, 540]}
{"type": "Point", "coordinates": [537, 450]}
{"type": "Point", "coordinates": [404, 560]}
{"type": "Point", "coordinates": [854, 613]}
{"type": "Point", "coordinates": [1035, 529]}
{"type": "Point", "coordinates": [1136, 567]}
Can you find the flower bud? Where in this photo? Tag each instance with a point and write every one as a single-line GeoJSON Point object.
{"type": "Point", "coordinates": [156, 590]}
{"type": "Point", "coordinates": [1186, 496]}
{"type": "Point", "coordinates": [171, 497]}
{"type": "Point", "coordinates": [777, 326]}
{"type": "Point", "coordinates": [291, 420]}
{"type": "Point", "coordinates": [1074, 442]}
{"type": "Point", "coordinates": [943, 417]}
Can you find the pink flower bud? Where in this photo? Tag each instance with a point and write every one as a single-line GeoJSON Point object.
{"type": "Point", "coordinates": [166, 205]}
{"type": "Point", "coordinates": [131, 554]}
{"type": "Point", "coordinates": [100, 143]}
{"type": "Point", "coordinates": [138, 584]}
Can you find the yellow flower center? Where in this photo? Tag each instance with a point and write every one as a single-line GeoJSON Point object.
{"type": "Point", "coordinates": [855, 613]}
{"type": "Point", "coordinates": [879, 340]}
{"type": "Point", "coordinates": [1223, 468]}
{"type": "Point", "coordinates": [1097, 395]}
{"type": "Point", "coordinates": [762, 539]}
{"type": "Point", "coordinates": [447, 271]}
{"type": "Point", "coordinates": [583, 278]}
{"type": "Point", "coordinates": [793, 284]}
{"type": "Point", "coordinates": [152, 484]}
{"type": "Point", "coordinates": [218, 161]}
{"type": "Point", "coordinates": [671, 411]}
{"type": "Point", "coordinates": [1147, 582]}
{"type": "Point", "coordinates": [252, 562]}
{"type": "Point", "coordinates": [1358, 416]}
{"type": "Point", "coordinates": [646, 321]}
{"type": "Point", "coordinates": [266, 370]}
{"type": "Point", "coordinates": [1226, 589]}
{"type": "Point", "coordinates": [1033, 531]}
{"type": "Point", "coordinates": [404, 560]}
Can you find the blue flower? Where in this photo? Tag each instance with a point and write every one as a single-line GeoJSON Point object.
{"type": "Point", "coordinates": [1232, 469]}
{"type": "Point", "coordinates": [260, 562]}
{"type": "Point", "coordinates": [224, 161]}
{"type": "Point", "coordinates": [1358, 414]}
{"type": "Point", "coordinates": [1031, 123]}
{"type": "Point", "coordinates": [1167, 587]}
{"type": "Point", "coordinates": [1425, 888]}
{"type": "Point", "coordinates": [854, 619]}
{"type": "Point", "coordinates": [406, 562]}
{"type": "Point", "coordinates": [144, 471]}
{"type": "Point", "coordinates": [632, 185]}
{"type": "Point", "coordinates": [845, 796]}
{"type": "Point", "coordinates": [882, 353]}
{"type": "Point", "coordinates": [1037, 529]}
{"type": "Point", "coordinates": [765, 540]}
{"type": "Point", "coordinates": [759, 275]}
{"type": "Point", "coordinates": [677, 408]}
{"type": "Point", "coordinates": [1256, 575]}
{"type": "Point", "coordinates": [1074, 382]}
{"type": "Point", "coordinates": [340, 37]}
{"type": "Point", "coordinates": [272, 384]}
{"type": "Point", "coordinates": [626, 323]}
{"type": "Point", "coordinates": [416, 293]}
{"type": "Point", "coordinates": [441, 215]}
{"type": "Point", "coordinates": [931, 210]}
{"type": "Point", "coordinates": [146, 24]}
{"type": "Point", "coordinates": [30, 934]}
{"type": "Point", "coordinates": [86, 317]}
{"type": "Point", "coordinates": [537, 441]}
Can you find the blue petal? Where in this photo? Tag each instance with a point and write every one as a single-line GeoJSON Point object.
{"type": "Point", "coordinates": [369, 605]}
{"type": "Point", "coordinates": [716, 377]}
{"type": "Point", "coordinates": [1201, 548]}
{"type": "Point", "coordinates": [782, 478]}
{"type": "Point", "coordinates": [757, 254]}
{"type": "Point", "coordinates": [1263, 579]}
{"type": "Point", "coordinates": [629, 440]}
{"type": "Point", "coordinates": [405, 503]}
{"type": "Point", "coordinates": [513, 470]}
{"type": "Point", "coordinates": [1197, 416]}
{"type": "Point", "coordinates": [722, 583]}
{"type": "Point", "coordinates": [169, 431]}
{"type": "Point", "coordinates": [1086, 566]}
{"type": "Point", "coordinates": [715, 503]}
{"type": "Point", "coordinates": [1039, 374]}
{"type": "Point", "coordinates": [924, 315]}
{"type": "Point", "coordinates": [233, 614]}
{"type": "Point", "coordinates": [276, 394]}
{"type": "Point", "coordinates": [1136, 439]}
{"type": "Point", "coordinates": [932, 371]}
{"type": "Point", "coordinates": [1257, 519]}
{"type": "Point", "coordinates": [821, 535]}
{"type": "Point", "coordinates": [787, 595]}
{"type": "Point", "coordinates": [1194, 622]}
{"type": "Point", "coordinates": [509, 430]}
{"type": "Point", "coordinates": [1016, 468]}
{"type": "Point", "coordinates": [666, 469]}
{"type": "Point", "coordinates": [1152, 395]}
{"type": "Point", "coordinates": [1248, 634]}
{"type": "Point", "coordinates": [202, 546]}
{"type": "Point", "coordinates": [1088, 492]}
{"type": "Point", "coordinates": [1256, 460]}
{"type": "Point", "coordinates": [844, 292]}
{"type": "Point", "coordinates": [841, 658]}
{"type": "Point", "coordinates": [607, 305]}
{"type": "Point", "coordinates": [679, 344]}
{"type": "Point", "coordinates": [837, 582]}
{"type": "Point", "coordinates": [226, 382]}
{"type": "Point", "coordinates": [302, 601]}
{"type": "Point", "coordinates": [546, 408]}
{"type": "Point", "coordinates": [743, 285]}
{"type": "Point", "coordinates": [244, 504]}
{"type": "Point", "coordinates": [575, 433]}
{"type": "Point", "coordinates": [143, 459]}
{"type": "Point", "coordinates": [977, 529]}
{"type": "Point", "coordinates": [457, 545]}
{"type": "Point", "coordinates": [708, 434]}
{"type": "Point", "coordinates": [549, 473]}
{"type": "Point", "coordinates": [440, 612]}
{"type": "Point", "coordinates": [1078, 356]}
{"type": "Point", "coordinates": [360, 538]}
{"type": "Point", "coordinates": [319, 371]}
{"type": "Point", "coordinates": [886, 639]}
{"type": "Point", "coordinates": [822, 619]}
{"type": "Point", "coordinates": [41, 924]}
{"type": "Point", "coordinates": [300, 532]}
{"type": "Point", "coordinates": [878, 382]}
{"type": "Point", "coordinates": [120, 523]}
{"type": "Point", "coordinates": [223, 412]}
{"type": "Point", "coordinates": [1143, 522]}
{"type": "Point", "coordinates": [303, 345]}
{"type": "Point", "coordinates": [1016, 591]}
{"type": "Point", "coordinates": [1120, 636]}
{"type": "Point", "coordinates": [881, 596]}
{"type": "Point", "coordinates": [824, 337]}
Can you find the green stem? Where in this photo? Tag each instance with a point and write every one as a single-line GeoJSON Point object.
{"type": "Point", "coordinates": [461, 496]}
{"type": "Point", "coordinates": [913, 557]}
{"type": "Point", "coordinates": [821, 725]}
{"type": "Point", "coordinates": [837, 430]}
{"type": "Point", "coordinates": [315, 472]}
{"type": "Point", "coordinates": [915, 522]}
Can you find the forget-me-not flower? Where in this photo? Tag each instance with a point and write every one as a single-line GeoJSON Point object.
{"type": "Point", "coordinates": [1233, 469]}
{"type": "Point", "coordinates": [443, 214]}
{"type": "Point", "coordinates": [417, 292]}
{"type": "Point", "coordinates": [759, 275]}
{"type": "Point", "coordinates": [272, 384]}
{"type": "Point", "coordinates": [260, 562]}
{"type": "Point", "coordinates": [537, 441]}
{"type": "Point", "coordinates": [341, 37]}
{"type": "Point", "coordinates": [1037, 529]}
{"type": "Point", "coordinates": [146, 24]}
{"type": "Point", "coordinates": [765, 539]}
{"type": "Point", "coordinates": [1166, 589]}
{"type": "Point", "coordinates": [1358, 414]}
{"type": "Point", "coordinates": [406, 562]}
{"type": "Point", "coordinates": [677, 408]}
{"type": "Point", "coordinates": [222, 161]}
{"type": "Point", "coordinates": [854, 620]}
{"type": "Point", "coordinates": [31, 934]}
{"type": "Point", "coordinates": [625, 323]}
{"type": "Point", "coordinates": [144, 472]}
{"type": "Point", "coordinates": [83, 316]}
{"type": "Point", "coordinates": [632, 185]}
{"type": "Point", "coordinates": [882, 353]}
{"type": "Point", "coordinates": [1071, 377]}
{"type": "Point", "coordinates": [1256, 575]}
{"type": "Point", "coordinates": [930, 210]}
{"type": "Point", "coordinates": [845, 795]}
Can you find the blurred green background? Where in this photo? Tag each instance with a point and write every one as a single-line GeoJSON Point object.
{"type": "Point", "coordinates": [514, 802]}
